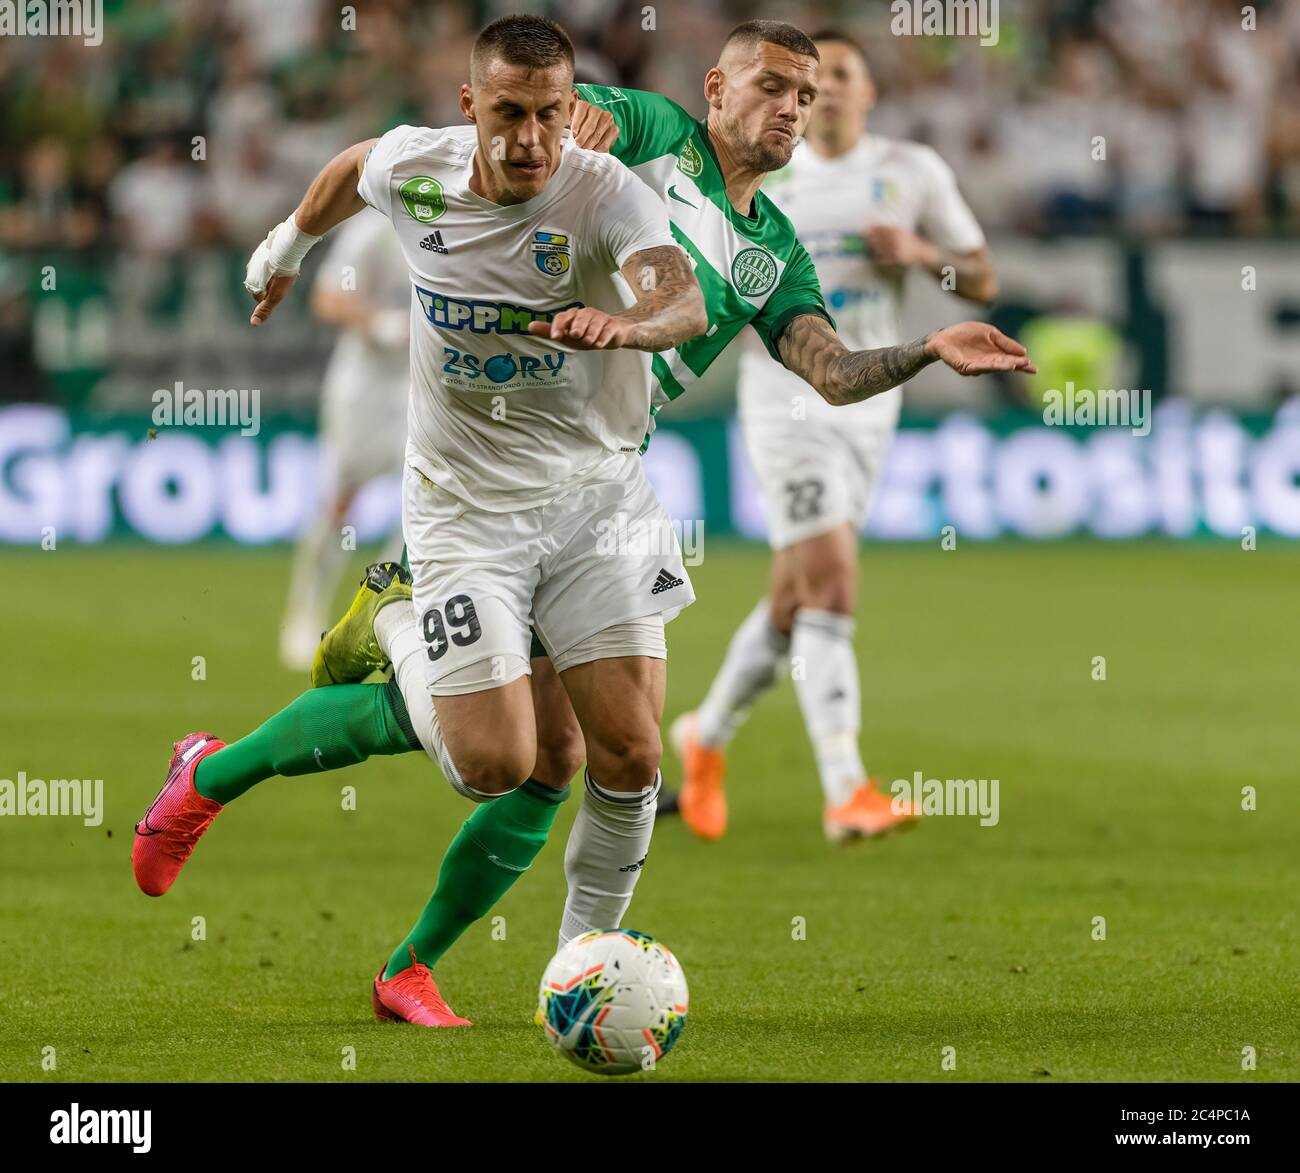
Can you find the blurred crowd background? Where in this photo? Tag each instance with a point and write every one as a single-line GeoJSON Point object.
{"type": "Point", "coordinates": [149, 166]}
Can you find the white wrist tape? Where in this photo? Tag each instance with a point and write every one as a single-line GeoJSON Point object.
{"type": "Point", "coordinates": [279, 255]}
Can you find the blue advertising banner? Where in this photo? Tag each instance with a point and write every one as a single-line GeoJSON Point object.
{"type": "Point", "coordinates": [1196, 473]}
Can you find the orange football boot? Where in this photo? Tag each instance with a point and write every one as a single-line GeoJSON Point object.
{"type": "Point", "coordinates": [867, 814]}
{"type": "Point", "coordinates": [176, 819]}
{"type": "Point", "coordinates": [702, 802]}
{"type": "Point", "coordinates": [412, 996]}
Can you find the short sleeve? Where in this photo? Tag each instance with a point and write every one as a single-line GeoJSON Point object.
{"type": "Point", "coordinates": [649, 125]}
{"type": "Point", "coordinates": [375, 185]}
{"type": "Point", "coordinates": [799, 293]}
{"type": "Point", "coordinates": [946, 218]}
{"type": "Point", "coordinates": [632, 218]}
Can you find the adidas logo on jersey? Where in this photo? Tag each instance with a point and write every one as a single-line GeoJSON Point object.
{"type": "Point", "coordinates": [433, 242]}
{"type": "Point", "coordinates": [665, 582]}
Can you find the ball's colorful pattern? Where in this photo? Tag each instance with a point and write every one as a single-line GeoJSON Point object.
{"type": "Point", "coordinates": [613, 1001]}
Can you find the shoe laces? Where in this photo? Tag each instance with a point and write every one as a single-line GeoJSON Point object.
{"type": "Point", "coordinates": [183, 832]}
{"type": "Point", "coordinates": [416, 981]}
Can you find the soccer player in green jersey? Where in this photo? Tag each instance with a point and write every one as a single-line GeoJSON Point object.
{"type": "Point", "coordinates": [752, 270]}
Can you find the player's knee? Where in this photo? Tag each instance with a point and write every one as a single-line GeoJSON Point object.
{"type": "Point", "coordinates": [560, 754]}
{"type": "Point", "coordinates": [629, 758]}
{"type": "Point", "coordinates": [838, 600]}
{"type": "Point", "coordinates": [495, 774]}
{"type": "Point", "coordinates": [829, 587]}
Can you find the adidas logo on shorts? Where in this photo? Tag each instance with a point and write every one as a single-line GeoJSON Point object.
{"type": "Point", "coordinates": [433, 242]}
{"type": "Point", "coordinates": [665, 582]}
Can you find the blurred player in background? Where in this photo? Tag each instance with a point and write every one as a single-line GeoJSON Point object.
{"type": "Point", "coordinates": [361, 287]}
{"type": "Point", "coordinates": [868, 209]}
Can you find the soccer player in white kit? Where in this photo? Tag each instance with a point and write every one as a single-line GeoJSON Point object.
{"type": "Point", "coordinates": [519, 458]}
{"type": "Point", "coordinates": [532, 329]}
{"type": "Point", "coordinates": [363, 288]}
{"type": "Point", "coordinates": [867, 208]}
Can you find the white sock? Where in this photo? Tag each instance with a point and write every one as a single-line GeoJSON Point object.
{"type": "Point", "coordinates": [605, 856]}
{"type": "Point", "coordinates": [398, 631]}
{"type": "Point", "coordinates": [747, 671]}
{"type": "Point", "coordinates": [826, 680]}
{"type": "Point", "coordinates": [317, 563]}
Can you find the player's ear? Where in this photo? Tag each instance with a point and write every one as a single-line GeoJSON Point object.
{"type": "Point", "coordinates": [713, 87]}
{"type": "Point", "coordinates": [467, 102]}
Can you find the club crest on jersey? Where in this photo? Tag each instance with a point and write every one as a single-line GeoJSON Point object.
{"type": "Point", "coordinates": [551, 253]}
{"type": "Point", "coordinates": [884, 192]}
{"type": "Point", "coordinates": [753, 272]}
{"type": "Point", "coordinates": [690, 162]}
{"type": "Point", "coordinates": [422, 198]}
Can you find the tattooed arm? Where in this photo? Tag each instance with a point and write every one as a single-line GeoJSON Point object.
{"type": "Point", "coordinates": [669, 308]}
{"type": "Point", "coordinates": [810, 347]}
{"type": "Point", "coordinates": [669, 303]}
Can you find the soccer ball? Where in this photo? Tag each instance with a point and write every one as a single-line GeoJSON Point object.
{"type": "Point", "coordinates": [613, 1001]}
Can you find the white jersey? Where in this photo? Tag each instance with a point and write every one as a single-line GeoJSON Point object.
{"type": "Point", "coordinates": [498, 418]}
{"type": "Point", "coordinates": [832, 202]}
{"type": "Point", "coordinates": [367, 381]}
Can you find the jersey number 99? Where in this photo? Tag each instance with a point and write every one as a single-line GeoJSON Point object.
{"type": "Point", "coordinates": [460, 626]}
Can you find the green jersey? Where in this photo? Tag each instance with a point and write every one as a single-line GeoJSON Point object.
{"type": "Point", "coordinates": [752, 269]}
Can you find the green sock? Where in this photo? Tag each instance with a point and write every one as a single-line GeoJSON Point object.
{"type": "Point", "coordinates": [493, 848]}
{"type": "Point", "coordinates": [323, 729]}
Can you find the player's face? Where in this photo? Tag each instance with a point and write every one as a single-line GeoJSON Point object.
{"type": "Point", "coordinates": [520, 114]}
{"type": "Point", "coordinates": [845, 90]}
{"type": "Point", "coordinates": [764, 104]}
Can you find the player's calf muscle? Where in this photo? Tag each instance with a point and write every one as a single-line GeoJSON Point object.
{"type": "Point", "coordinates": [560, 747]}
{"type": "Point", "coordinates": [824, 570]}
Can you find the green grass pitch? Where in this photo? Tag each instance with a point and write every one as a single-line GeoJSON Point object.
{"type": "Point", "coordinates": [1120, 799]}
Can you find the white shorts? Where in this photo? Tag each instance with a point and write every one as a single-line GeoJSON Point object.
{"type": "Point", "coordinates": [817, 473]}
{"type": "Point", "coordinates": [603, 554]}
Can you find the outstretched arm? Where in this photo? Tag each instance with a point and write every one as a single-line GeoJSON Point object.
{"type": "Point", "coordinates": [971, 271]}
{"type": "Point", "coordinates": [331, 199]}
{"type": "Point", "coordinates": [810, 347]}
{"type": "Point", "coordinates": [669, 308]}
